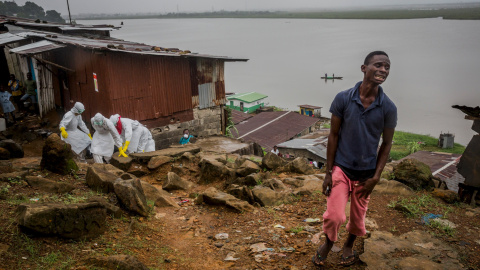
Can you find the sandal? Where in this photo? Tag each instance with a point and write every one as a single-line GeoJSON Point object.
{"type": "Point", "coordinates": [322, 260]}
{"type": "Point", "coordinates": [349, 260]}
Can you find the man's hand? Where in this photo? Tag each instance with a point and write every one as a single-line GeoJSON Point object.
{"type": "Point", "coordinates": [327, 184]}
{"type": "Point", "coordinates": [368, 187]}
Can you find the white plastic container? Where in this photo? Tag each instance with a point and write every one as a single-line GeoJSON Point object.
{"type": "Point", "coordinates": [3, 125]}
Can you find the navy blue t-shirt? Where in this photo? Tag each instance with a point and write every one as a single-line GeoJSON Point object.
{"type": "Point", "coordinates": [361, 128]}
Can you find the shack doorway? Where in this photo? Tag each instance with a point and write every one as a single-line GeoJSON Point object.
{"type": "Point", "coordinates": [4, 72]}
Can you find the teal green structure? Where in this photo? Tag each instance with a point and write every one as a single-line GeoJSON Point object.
{"type": "Point", "coordinates": [246, 102]}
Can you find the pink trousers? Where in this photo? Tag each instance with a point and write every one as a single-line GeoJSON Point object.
{"type": "Point", "coordinates": [334, 216]}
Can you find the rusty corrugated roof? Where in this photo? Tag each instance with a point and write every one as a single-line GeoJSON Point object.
{"type": "Point", "coordinates": [36, 47]}
{"type": "Point", "coordinates": [271, 128]}
{"type": "Point", "coordinates": [238, 116]}
{"type": "Point", "coordinates": [112, 44]}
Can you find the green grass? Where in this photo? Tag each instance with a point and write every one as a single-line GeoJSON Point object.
{"type": "Point", "coordinates": [402, 139]}
{"type": "Point", "coordinates": [419, 205]}
{"type": "Point", "coordinates": [296, 229]}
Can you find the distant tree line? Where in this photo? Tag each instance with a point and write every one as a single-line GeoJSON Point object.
{"type": "Point", "coordinates": [29, 11]}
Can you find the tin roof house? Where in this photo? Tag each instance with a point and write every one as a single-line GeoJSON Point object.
{"type": "Point", "coordinates": [164, 88]}
{"type": "Point", "coordinates": [246, 102]}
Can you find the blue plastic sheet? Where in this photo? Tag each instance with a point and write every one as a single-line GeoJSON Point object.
{"type": "Point", "coordinates": [426, 219]}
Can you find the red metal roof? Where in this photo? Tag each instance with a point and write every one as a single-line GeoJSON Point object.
{"type": "Point", "coordinates": [238, 116]}
{"type": "Point", "coordinates": [271, 128]}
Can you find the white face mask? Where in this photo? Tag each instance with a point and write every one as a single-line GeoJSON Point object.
{"type": "Point", "coordinates": [185, 136]}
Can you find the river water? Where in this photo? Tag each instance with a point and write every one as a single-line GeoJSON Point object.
{"type": "Point", "coordinates": [435, 62]}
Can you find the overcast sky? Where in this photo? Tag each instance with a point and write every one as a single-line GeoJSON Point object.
{"type": "Point", "coordinates": [163, 6]}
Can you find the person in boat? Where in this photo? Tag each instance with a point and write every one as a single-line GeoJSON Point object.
{"type": "Point", "coordinates": [360, 114]}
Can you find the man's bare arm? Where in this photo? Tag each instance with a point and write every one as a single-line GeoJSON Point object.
{"type": "Point", "coordinates": [332, 145]}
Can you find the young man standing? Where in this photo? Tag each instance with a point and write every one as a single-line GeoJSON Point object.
{"type": "Point", "coordinates": [360, 116]}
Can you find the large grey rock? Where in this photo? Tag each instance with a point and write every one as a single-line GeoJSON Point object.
{"type": "Point", "coordinates": [81, 220]}
{"type": "Point", "coordinates": [16, 151]}
{"type": "Point", "coordinates": [130, 193]}
{"type": "Point", "coordinates": [158, 161]}
{"type": "Point", "coordinates": [267, 197]}
{"type": "Point", "coordinates": [274, 184]}
{"type": "Point", "coordinates": [121, 162]}
{"type": "Point", "coordinates": [112, 210]}
{"type": "Point", "coordinates": [272, 161]}
{"type": "Point", "coordinates": [300, 165]}
{"type": "Point", "coordinates": [47, 185]}
{"type": "Point", "coordinates": [248, 167]}
{"type": "Point", "coordinates": [392, 187]}
{"type": "Point", "coordinates": [422, 252]}
{"type": "Point", "coordinates": [252, 179]}
{"type": "Point", "coordinates": [309, 186]}
{"type": "Point", "coordinates": [214, 197]}
{"type": "Point", "coordinates": [293, 182]}
{"type": "Point", "coordinates": [117, 262]}
{"type": "Point", "coordinates": [174, 151]}
{"type": "Point", "coordinates": [414, 174]}
{"type": "Point", "coordinates": [57, 156]}
{"type": "Point", "coordinates": [7, 177]}
{"type": "Point", "coordinates": [175, 182]}
{"type": "Point", "coordinates": [212, 170]}
{"type": "Point", "coordinates": [241, 192]}
{"type": "Point", "coordinates": [99, 179]}
{"type": "Point", "coordinates": [138, 170]}
{"type": "Point", "coordinates": [158, 195]}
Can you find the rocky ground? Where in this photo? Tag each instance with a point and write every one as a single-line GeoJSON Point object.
{"type": "Point", "coordinates": [203, 208]}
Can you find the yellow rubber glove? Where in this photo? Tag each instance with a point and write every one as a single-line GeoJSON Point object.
{"type": "Point", "coordinates": [122, 153]}
{"type": "Point", "coordinates": [64, 133]}
{"type": "Point", "coordinates": [126, 146]}
{"type": "Point", "coordinates": [90, 135]}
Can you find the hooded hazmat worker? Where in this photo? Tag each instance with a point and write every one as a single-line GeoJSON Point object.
{"type": "Point", "coordinates": [104, 138]}
{"type": "Point", "coordinates": [127, 128]}
{"type": "Point", "coordinates": [75, 132]}
{"type": "Point", "coordinates": [146, 142]}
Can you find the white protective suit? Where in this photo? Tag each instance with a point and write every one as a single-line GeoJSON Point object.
{"type": "Point", "coordinates": [129, 132]}
{"type": "Point", "coordinates": [104, 138]}
{"type": "Point", "coordinates": [146, 142]}
{"type": "Point", "coordinates": [78, 139]}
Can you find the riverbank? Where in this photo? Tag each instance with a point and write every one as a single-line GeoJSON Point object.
{"type": "Point", "coordinates": [468, 12]}
{"type": "Point", "coordinates": [405, 143]}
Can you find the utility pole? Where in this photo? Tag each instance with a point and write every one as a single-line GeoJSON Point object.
{"type": "Point", "coordinates": [69, 16]}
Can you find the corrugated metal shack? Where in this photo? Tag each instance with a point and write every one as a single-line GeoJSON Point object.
{"type": "Point", "coordinates": [161, 87]}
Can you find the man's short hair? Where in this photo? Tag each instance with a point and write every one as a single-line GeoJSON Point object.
{"type": "Point", "coordinates": [185, 130]}
{"type": "Point", "coordinates": [372, 54]}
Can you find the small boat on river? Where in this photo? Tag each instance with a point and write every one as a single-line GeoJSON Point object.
{"type": "Point", "coordinates": [332, 78]}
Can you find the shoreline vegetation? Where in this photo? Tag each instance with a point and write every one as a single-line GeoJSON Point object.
{"type": "Point", "coordinates": [404, 143]}
{"type": "Point", "coordinates": [453, 13]}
